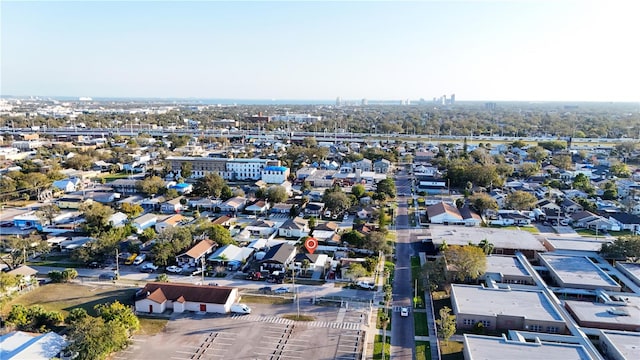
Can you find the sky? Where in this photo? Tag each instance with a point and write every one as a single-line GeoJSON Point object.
{"type": "Point", "coordinates": [480, 50]}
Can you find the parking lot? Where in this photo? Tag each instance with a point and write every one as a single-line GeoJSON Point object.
{"type": "Point", "coordinates": [335, 333]}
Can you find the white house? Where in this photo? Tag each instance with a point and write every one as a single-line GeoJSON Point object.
{"type": "Point", "coordinates": [144, 221]}
{"type": "Point", "coordinates": [118, 219]}
{"type": "Point", "coordinates": [67, 185]}
{"type": "Point", "coordinates": [294, 228]}
{"type": "Point", "coordinates": [156, 298]}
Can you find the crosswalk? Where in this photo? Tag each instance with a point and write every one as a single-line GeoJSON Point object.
{"type": "Point", "coordinates": [397, 308]}
{"type": "Point", "coordinates": [279, 320]}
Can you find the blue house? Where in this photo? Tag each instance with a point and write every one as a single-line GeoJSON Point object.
{"type": "Point", "coordinates": [182, 188]}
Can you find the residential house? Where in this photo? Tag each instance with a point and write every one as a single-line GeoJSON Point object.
{"type": "Point", "coordinates": [548, 205]}
{"type": "Point", "coordinates": [169, 222]}
{"type": "Point", "coordinates": [382, 166]}
{"type": "Point", "coordinates": [424, 156]}
{"type": "Point", "coordinates": [233, 205]}
{"type": "Point", "coordinates": [196, 254]}
{"type": "Point", "coordinates": [314, 209]}
{"type": "Point", "coordinates": [294, 228]}
{"type": "Point", "coordinates": [172, 206]}
{"type": "Point", "coordinates": [118, 219]}
{"type": "Point", "coordinates": [231, 254]}
{"type": "Point", "coordinates": [278, 257]}
{"type": "Point", "coordinates": [261, 228]}
{"type": "Point", "coordinates": [582, 218]}
{"type": "Point", "coordinates": [317, 262]}
{"type": "Point", "coordinates": [157, 297]}
{"type": "Point", "coordinates": [143, 222]}
{"type": "Point", "coordinates": [327, 233]}
{"type": "Point", "coordinates": [569, 206]}
{"type": "Point", "coordinates": [204, 204]}
{"type": "Point", "coordinates": [469, 217]}
{"type": "Point", "coordinates": [27, 275]}
{"type": "Point", "coordinates": [72, 201]}
{"type": "Point", "coordinates": [224, 221]}
{"type": "Point", "coordinates": [258, 207]}
{"type": "Point", "coordinates": [27, 221]}
{"type": "Point", "coordinates": [124, 186]}
{"type": "Point", "coordinates": [626, 222]}
{"type": "Point", "coordinates": [153, 204]}
{"type": "Point", "coordinates": [281, 208]}
{"type": "Point", "coordinates": [363, 229]}
{"type": "Point", "coordinates": [509, 218]}
{"type": "Point", "coordinates": [363, 165]}
{"type": "Point", "coordinates": [443, 213]}
{"type": "Point", "coordinates": [182, 188]}
{"type": "Point", "coordinates": [67, 185]}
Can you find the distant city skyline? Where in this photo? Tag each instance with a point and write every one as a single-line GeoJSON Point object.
{"type": "Point", "coordinates": [378, 51]}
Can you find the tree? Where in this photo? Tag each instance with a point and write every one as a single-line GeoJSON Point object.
{"type": "Point", "coordinates": [483, 202]}
{"type": "Point", "coordinates": [96, 216]}
{"type": "Point", "coordinates": [277, 194]}
{"type": "Point", "coordinates": [312, 222]}
{"type": "Point", "coordinates": [383, 219]}
{"type": "Point", "coordinates": [64, 276]}
{"type": "Point", "coordinates": [217, 233]}
{"type": "Point", "coordinates": [623, 248]}
{"type": "Point", "coordinates": [446, 323]}
{"type": "Point", "coordinates": [209, 185]}
{"type": "Point", "coordinates": [93, 338]}
{"type": "Point", "coordinates": [153, 185]}
{"type": "Point", "coordinates": [79, 162]}
{"type": "Point", "coordinates": [226, 193]}
{"type": "Point", "coordinates": [356, 271]}
{"type": "Point", "coordinates": [582, 182]}
{"type": "Point", "coordinates": [562, 161]}
{"type": "Point", "coordinates": [353, 238]}
{"type": "Point", "coordinates": [48, 212]}
{"type": "Point", "coordinates": [162, 278]}
{"type": "Point", "coordinates": [17, 251]}
{"type": "Point", "coordinates": [76, 314]}
{"type": "Point", "coordinates": [521, 200]}
{"type": "Point", "coordinates": [336, 201]}
{"type": "Point", "coordinates": [377, 241]}
{"type": "Point", "coordinates": [610, 191]}
{"type": "Point", "coordinates": [486, 246]}
{"type": "Point", "coordinates": [434, 273]}
{"type": "Point", "coordinates": [620, 170]}
{"type": "Point", "coordinates": [132, 210]}
{"type": "Point", "coordinates": [537, 153]}
{"type": "Point", "coordinates": [358, 190]}
{"type": "Point", "coordinates": [529, 169]}
{"type": "Point", "coordinates": [467, 262]}
{"type": "Point", "coordinates": [8, 281]}
{"type": "Point", "coordinates": [186, 170]}
{"type": "Point", "coordinates": [34, 318]}
{"type": "Point", "coordinates": [118, 312]}
{"type": "Point", "coordinates": [387, 187]}
{"type": "Point", "coordinates": [309, 142]}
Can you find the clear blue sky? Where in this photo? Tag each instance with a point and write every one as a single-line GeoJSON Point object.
{"type": "Point", "coordinates": [479, 50]}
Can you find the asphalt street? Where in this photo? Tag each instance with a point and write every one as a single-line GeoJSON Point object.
{"type": "Point", "coordinates": [402, 329]}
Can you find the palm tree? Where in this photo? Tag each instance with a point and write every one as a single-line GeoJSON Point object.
{"type": "Point", "coordinates": [486, 246]}
{"type": "Point", "coordinates": [305, 264]}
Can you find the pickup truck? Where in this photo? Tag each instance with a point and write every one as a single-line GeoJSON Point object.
{"type": "Point", "coordinates": [366, 285]}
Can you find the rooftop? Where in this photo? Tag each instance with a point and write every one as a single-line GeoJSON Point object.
{"type": "Point", "coordinates": [580, 244]}
{"type": "Point", "coordinates": [497, 348]}
{"type": "Point", "coordinates": [500, 238]}
{"type": "Point", "coordinates": [600, 313]}
{"type": "Point", "coordinates": [505, 265]}
{"type": "Point", "coordinates": [626, 343]}
{"type": "Point", "coordinates": [577, 270]}
{"type": "Point", "coordinates": [531, 304]}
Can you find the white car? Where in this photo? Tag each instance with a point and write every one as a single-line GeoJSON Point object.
{"type": "Point", "coordinates": [174, 269]}
{"type": "Point", "coordinates": [404, 311]}
{"type": "Point", "coordinates": [281, 290]}
{"type": "Point", "coordinates": [148, 267]}
{"type": "Point", "coordinates": [366, 285]}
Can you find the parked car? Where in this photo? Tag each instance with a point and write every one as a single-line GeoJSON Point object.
{"type": "Point", "coordinates": [108, 276]}
{"type": "Point", "coordinates": [404, 311]}
{"type": "Point", "coordinates": [174, 269]}
{"type": "Point", "coordinates": [94, 265]}
{"type": "Point", "coordinates": [281, 290]}
{"type": "Point", "coordinates": [265, 290]}
{"type": "Point", "coordinates": [256, 276]}
{"type": "Point", "coordinates": [366, 285]}
{"type": "Point", "coordinates": [139, 259]}
{"type": "Point", "coordinates": [148, 268]}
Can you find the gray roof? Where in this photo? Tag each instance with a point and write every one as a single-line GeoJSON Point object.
{"type": "Point", "coordinates": [279, 253]}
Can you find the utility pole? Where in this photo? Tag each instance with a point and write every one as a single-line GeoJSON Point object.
{"type": "Point", "coordinates": [117, 264]}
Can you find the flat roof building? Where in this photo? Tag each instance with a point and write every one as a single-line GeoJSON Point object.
{"type": "Point", "coordinates": [505, 309]}
{"type": "Point", "coordinates": [606, 316]}
{"type": "Point", "coordinates": [630, 270]}
{"type": "Point", "coordinates": [508, 270]}
{"type": "Point", "coordinates": [620, 345]}
{"type": "Point", "coordinates": [577, 272]}
{"type": "Point", "coordinates": [504, 241]}
{"type": "Point", "coordinates": [478, 347]}
{"type": "Point", "coordinates": [573, 244]}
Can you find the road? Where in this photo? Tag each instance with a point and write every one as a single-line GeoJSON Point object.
{"type": "Point", "coordinates": [402, 328]}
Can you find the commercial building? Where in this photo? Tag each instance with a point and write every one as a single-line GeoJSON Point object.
{"type": "Point", "coordinates": [502, 348]}
{"type": "Point", "coordinates": [577, 272]}
{"type": "Point", "coordinates": [621, 315]}
{"type": "Point", "coordinates": [620, 345]}
{"type": "Point", "coordinates": [228, 169]}
{"type": "Point", "coordinates": [504, 308]}
{"type": "Point", "coordinates": [507, 270]}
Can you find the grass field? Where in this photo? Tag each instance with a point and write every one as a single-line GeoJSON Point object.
{"type": "Point", "coordinates": [251, 299]}
{"type": "Point", "coordinates": [420, 323]}
{"type": "Point", "coordinates": [423, 350]}
{"type": "Point", "coordinates": [65, 297]}
{"type": "Point", "coordinates": [378, 347]}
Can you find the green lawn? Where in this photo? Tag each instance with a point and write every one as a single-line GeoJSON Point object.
{"type": "Point", "coordinates": [65, 297]}
{"type": "Point", "coordinates": [379, 323]}
{"type": "Point", "coordinates": [420, 323]}
{"type": "Point", "coordinates": [592, 233]}
{"type": "Point", "coordinates": [423, 350]}
{"type": "Point", "coordinates": [531, 229]}
{"type": "Point", "coordinates": [377, 347]}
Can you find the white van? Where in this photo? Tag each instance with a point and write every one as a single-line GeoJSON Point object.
{"type": "Point", "coordinates": [240, 309]}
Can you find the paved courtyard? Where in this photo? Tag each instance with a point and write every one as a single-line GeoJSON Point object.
{"type": "Point", "coordinates": [336, 333]}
